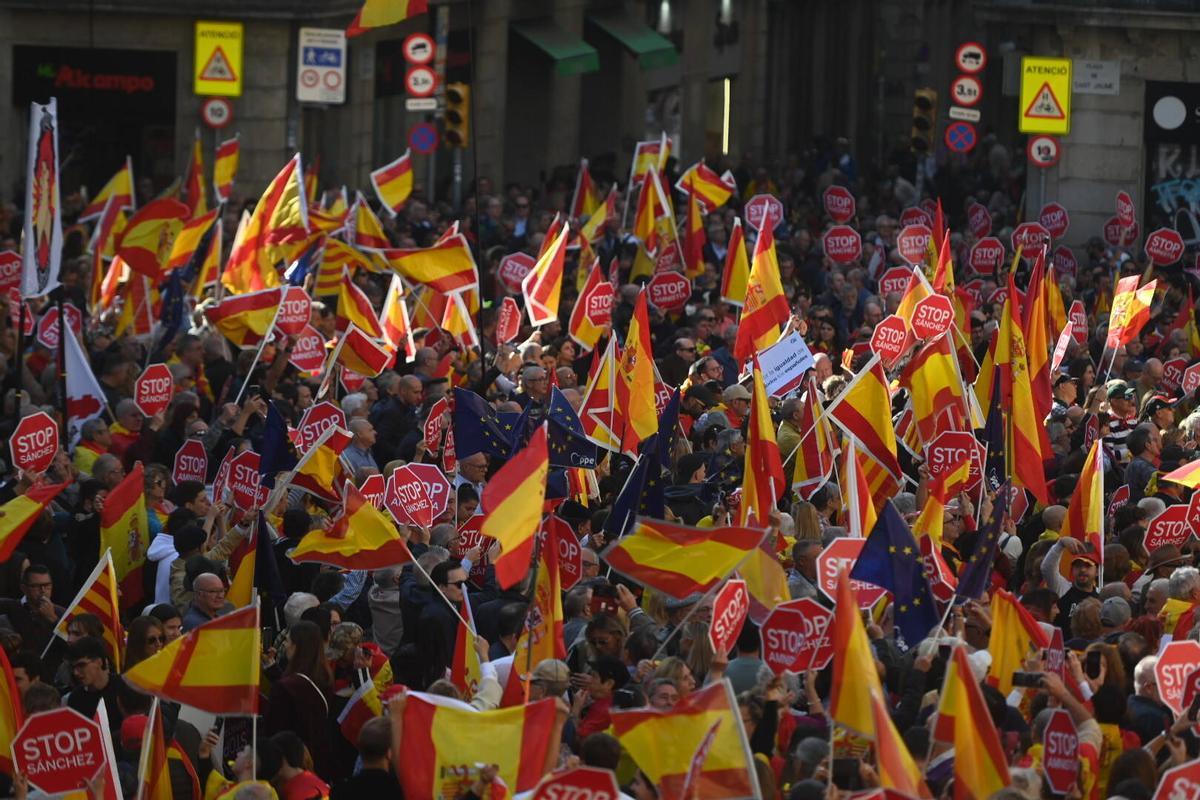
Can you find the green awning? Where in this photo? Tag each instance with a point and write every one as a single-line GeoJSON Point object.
{"type": "Point", "coordinates": [571, 54]}
{"type": "Point", "coordinates": [651, 48]}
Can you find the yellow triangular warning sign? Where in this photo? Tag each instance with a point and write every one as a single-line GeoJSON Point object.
{"type": "Point", "coordinates": [1045, 105]}
{"type": "Point", "coordinates": [218, 68]}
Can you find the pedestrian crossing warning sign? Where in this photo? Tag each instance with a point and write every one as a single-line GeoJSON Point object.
{"type": "Point", "coordinates": [218, 61]}
{"type": "Point", "coordinates": [1045, 95]}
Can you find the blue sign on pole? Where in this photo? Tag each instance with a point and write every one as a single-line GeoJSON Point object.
{"type": "Point", "coordinates": [322, 57]}
{"type": "Point", "coordinates": [423, 138]}
{"type": "Point", "coordinates": [960, 136]}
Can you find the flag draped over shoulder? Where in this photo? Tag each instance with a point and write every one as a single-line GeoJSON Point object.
{"type": "Point", "coordinates": [125, 531]}
{"type": "Point", "coordinates": [513, 500]}
{"type": "Point", "coordinates": [663, 744]}
{"type": "Point", "coordinates": [21, 512]}
{"type": "Point", "coordinates": [441, 736]}
{"type": "Point", "coordinates": [214, 667]}
{"type": "Point", "coordinates": [679, 560]}
{"type": "Point", "coordinates": [980, 766]}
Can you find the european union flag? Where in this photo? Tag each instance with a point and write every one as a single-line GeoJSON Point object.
{"type": "Point", "coordinates": [569, 447]}
{"type": "Point", "coordinates": [656, 450]}
{"type": "Point", "coordinates": [977, 570]}
{"type": "Point", "coordinates": [170, 319]}
{"type": "Point", "coordinates": [477, 429]}
{"type": "Point", "coordinates": [628, 503]}
{"type": "Point", "coordinates": [275, 452]}
{"type": "Point", "coordinates": [892, 560]}
{"type": "Point", "coordinates": [995, 470]}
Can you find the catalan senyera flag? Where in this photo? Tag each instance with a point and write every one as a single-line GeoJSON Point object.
{"type": "Point", "coordinates": [193, 183]}
{"type": "Point", "coordinates": [663, 744]}
{"type": "Point", "coordinates": [154, 776]}
{"type": "Point", "coordinates": [542, 287]}
{"type": "Point", "coordinates": [980, 766]}
{"type": "Point", "coordinates": [98, 596]}
{"type": "Point", "coordinates": [812, 463]}
{"type": "Point", "coordinates": [124, 530]}
{"type": "Point", "coordinates": [1085, 511]}
{"type": "Point", "coordinates": [679, 560]}
{"type": "Point", "coordinates": [763, 483]}
{"type": "Point", "coordinates": [933, 380]}
{"type": "Point", "coordinates": [367, 227]}
{"type": "Point", "coordinates": [225, 166]}
{"type": "Point", "coordinates": [393, 183]}
{"type": "Point", "coordinates": [1015, 636]}
{"type": "Point", "coordinates": [440, 735]}
{"type": "Point", "coordinates": [586, 199]}
{"type": "Point", "coordinates": [708, 188]}
{"type": "Point", "coordinates": [11, 715]}
{"type": "Point", "coordinates": [189, 240]}
{"type": "Point", "coordinates": [445, 267]}
{"type": "Point", "coordinates": [118, 189]}
{"type": "Point", "coordinates": [635, 372]}
{"type": "Point", "coordinates": [896, 767]}
{"type": "Point", "coordinates": [354, 309]}
{"type": "Point", "coordinates": [146, 243]}
{"type": "Point", "coordinates": [694, 239]}
{"type": "Point", "coordinates": [580, 327]}
{"type": "Point", "coordinates": [766, 306]}
{"type": "Point", "coordinates": [21, 512]}
{"type": "Point", "coordinates": [246, 318]}
{"type": "Point", "coordinates": [361, 537]}
{"type": "Point", "coordinates": [394, 322]}
{"type": "Point", "coordinates": [855, 678]}
{"type": "Point", "coordinates": [278, 222]}
{"type": "Point", "coordinates": [1026, 435]}
{"type": "Point", "coordinates": [512, 500]}
{"type": "Point", "coordinates": [861, 513]}
{"type": "Point", "coordinates": [338, 257]}
{"type": "Point", "coordinates": [319, 469]}
{"type": "Point", "coordinates": [214, 667]}
{"type": "Point", "coordinates": [466, 673]}
{"type": "Point", "coordinates": [381, 13]}
{"type": "Point", "coordinates": [593, 229]}
{"type": "Point", "coordinates": [359, 353]}
{"type": "Point", "coordinates": [735, 277]}
{"type": "Point", "coordinates": [1130, 310]}
{"type": "Point", "coordinates": [1036, 327]}
{"type": "Point", "coordinates": [864, 411]}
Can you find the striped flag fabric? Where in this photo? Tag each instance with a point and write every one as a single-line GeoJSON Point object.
{"type": "Point", "coordinates": [648, 156]}
{"type": "Point", "coordinates": [125, 532]}
{"type": "Point", "coordinates": [146, 243]}
{"type": "Point", "coordinates": [337, 258]}
{"type": "Point", "coordinates": [634, 377]}
{"type": "Point", "coordinates": [512, 501]}
{"type": "Point", "coordinates": [855, 678]}
{"type": "Point", "coordinates": [193, 182]}
{"type": "Point", "coordinates": [1188, 475]}
{"type": "Point", "coordinates": [1035, 326]}
{"type": "Point", "coordinates": [542, 636]}
{"type": "Point", "coordinates": [542, 287]}
{"type": "Point", "coordinates": [593, 229]}
{"type": "Point", "coordinates": [963, 719]}
{"type": "Point", "coordinates": [694, 239]}
{"type": "Point", "coordinates": [225, 166]}
{"type": "Point", "coordinates": [394, 322]}
{"type": "Point", "coordinates": [362, 707]}
{"type": "Point", "coordinates": [214, 667]}
{"type": "Point", "coordinates": [354, 309]}
{"type": "Point", "coordinates": [361, 537]}
{"type": "Point", "coordinates": [319, 469]}
{"type": "Point", "coordinates": [445, 267]}
{"type": "Point", "coordinates": [119, 190]}
{"type": "Point", "coordinates": [154, 776]}
{"type": "Point", "coordinates": [393, 183]}
{"type": "Point", "coordinates": [11, 714]}
{"type": "Point", "coordinates": [735, 278]}
{"type": "Point", "coordinates": [707, 187]}
{"type": "Point", "coordinates": [580, 328]}
{"type": "Point", "coordinates": [1085, 511]}
{"type": "Point", "coordinates": [279, 219]}
{"type": "Point", "coordinates": [1026, 435]}
{"type": "Point", "coordinates": [860, 508]}
{"type": "Point", "coordinates": [679, 560]}
{"type": "Point", "coordinates": [1016, 635]}
{"type": "Point", "coordinates": [245, 319]}
{"type": "Point", "coordinates": [191, 237]}
{"type": "Point", "coordinates": [585, 200]}
{"type": "Point", "coordinates": [864, 411]}
{"type": "Point", "coordinates": [466, 673]}
{"type": "Point", "coordinates": [897, 769]}
{"type": "Point", "coordinates": [21, 512]}
{"type": "Point", "coordinates": [938, 399]}
{"type": "Point", "coordinates": [812, 463]}
{"type": "Point", "coordinates": [98, 596]}
{"type": "Point", "coordinates": [358, 352]}
{"type": "Point", "coordinates": [763, 482]}
{"type": "Point", "coordinates": [368, 229]}
{"type": "Point", "coordinates": [766, 306]}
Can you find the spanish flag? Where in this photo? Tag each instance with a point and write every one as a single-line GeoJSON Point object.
{"type": "Point", "coordinates": [980, 767]}
{"type": "Point", "coordinates": [393, 183]}
{"type": "Point", "coordinates": [457, 319]}
{"type": "Point", "coordinates": [897, 769]}
{"type": "Point", "coordinates": [190, 238]}
{"type": "Point", "coordinates": [679, 560]}
{"type": "Point", "coordinates": [593, 229]}
{"type": "Point", "coordinates": [855, 678]}
{"type": "Point", "coordinates": [763, 483]}
{"type": "Point", "coordinates": [1188, 475]}
{"type": "Point", "coordinates": [368, 230]}
{"type": "Point", "coordinates": [11, 715]}
{"type": "Point", "coordinates": [736, 275]}
{"type": "Point", "coordinates": [319, 469]}
{"type": "Point", "coordinates": [651, 206]}
{"type": "Point", "coordinates": [442, 739]}
{"type": "Point", "coordinates": [124, 531]}
{"type": "Point", "coordinates": [664, 743]}
{"type": "Point", "coordinates": [98, 596]}
{"type": "Point", "coordinates": [354, 309]}
{"type": "Point", "coordinates": [1085, 512]}
{"type": "Point", "coordinates": [598, 413]}
{"type": "Point", "coordinates": [694, 239]}
{"type": "Point", "coordinates": [917, 290]}
{"type": "Point", "coordinates": [118, 189]}
{"type": "Point", "coordinates": [146, 243]}
{"type": "Point", "coordinates": [445, 267]}
{"type": "Point", "coordinates": [225, 167]}
{"type": "Point", "coordinates": [856, 493]}
{"type": "Point", "coordinates": [380, 13]}
{"type": "Point", "coordinates": [18, 515]}
{"type": "Point", "coordinates": [214, 668]}
{"type": "Point", "coordinates": [812, 462]}
{"type": "Point", "coordinates": [931, 521]}
{"type": "Point", "coordinates": [337, 258]}
{"type": "Point", "coordinates": [586, 200]}
{"type": "Point", "coordinates": [362, 537]}
{"type": "Point", "coordinates": [1026, 435]}
{"type": "Point", "coordinates": [634, 378]}
{"type": "Point", "coordinates": [707, 187]}
{"type": "Point", "coordinates": [466, 673]}
{"type": "Point", "coordinates": [933, 380]}
{"type": "Point", "coordinates": [864, 411]}
{"type": "Point", "coordinates": [1016, 635]}
{"type": "Point", "coordinates": [766, 306]}
{"type": "Point", "coordinates": [1130, 310]}
{"type": "Point", "coordinates": [542, 636]}
{"type": "Point", "coordinates": [154, 776]}
{"type": "Point", "coordinates": [312, 177]}
{"type": "Point", "coordinates": [542, 287]}
{"type": "Point", "coordinates": [943, 274]}
{"type": "Point", "coordinates": [358, 352]}
{"type": "Point", "coordinates": [393, 319]}
{"type": "Point", "coordinates": [246, 318]}
{"type": "Point", "coordinates": [580, 327]}
{"type": "Point", "coordinates": [1036, 327]}
{"type": "Point", "coordinates": [137, 305]}
{"type": "Point", "coordinates": [362, 707]}
{"type": "Point", "coordinates": [513, 500]}
{"type": "Point", "coordinates": [193, 183]}
{"type": "Point", "coordinates": [649, 156]}
{"type": "Point", "coordinates": [279, 219]}
{"type": "Point", "coordinates": [243, 562]}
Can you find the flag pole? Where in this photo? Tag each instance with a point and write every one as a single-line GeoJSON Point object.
{"type": "Point", "coordinates": [62, 366]}
{"type": "Point", "coordinates": [442, 595]}
{"type": "Point", "coordinates": [258, 353]}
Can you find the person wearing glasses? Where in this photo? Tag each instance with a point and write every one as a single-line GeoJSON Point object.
{"type": "Point", "coordinates": [94, 681]}
{"type": "Point", "coordinates": [675, 367]}
{"type": "Point", "coordinates": [34, 614]}
{"type": "Point", "coordinates": [437, 626]}
{"type": "Point", "coordinates": [145, 637]}
{"type": "Point", "coordinates": [208, 601]}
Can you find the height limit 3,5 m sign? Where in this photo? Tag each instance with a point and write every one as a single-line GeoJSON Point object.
{"type": "Point", "coordinates": [1045, 95]}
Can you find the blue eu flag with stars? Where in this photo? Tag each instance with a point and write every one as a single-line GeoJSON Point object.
{"type": "Point", "coordinates": [477, 429]}
{"type": "Point", "coordinates": [568, 445]}
{"type": "Point", "coordinates": [977, 569]}
{"type": "Point", "coordinates": [892, 560]}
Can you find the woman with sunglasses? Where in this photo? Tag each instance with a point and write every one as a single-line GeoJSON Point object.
{"type": "Point", "coordinates": [145, 637]}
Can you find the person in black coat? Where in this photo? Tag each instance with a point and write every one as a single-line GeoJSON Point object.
{"type": "Point", "coordinates": [437, 626]}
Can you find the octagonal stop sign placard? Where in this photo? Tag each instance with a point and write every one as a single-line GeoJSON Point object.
{"type": "Point", "coordinates": [913, 243]}
{"type": "Point", "coordinates": [1176, 663]}
{"type": "Point", "coordinates": [295, 311]}
{"type": "Point", "coordinates": [1180, 783]}
{"type": "Point", "coordinates": [795, 636]}
{"type": "Point", "coordinates": [843, 554]}
{"type": "Point", "coordinates": [932, 315]}
{"type": "Point", "coordinates": [1060, 752]}
{"type": "Point", "coordinates": [59, 750]}
{"type": "Point", "coordinates": [580, 783]}
{"type": "Point", "coordinates": [890, 339]}
{"type": "Point", "coordinates": [730, 608]}
{"type": "Point", "coordinates": [34, 442]}
{"type": "Point", "coordinates": [153, 389]}
{"type": "Point", "coordinates": [316, 420]}
{"type": "Point", "coordinates": [191, 462]}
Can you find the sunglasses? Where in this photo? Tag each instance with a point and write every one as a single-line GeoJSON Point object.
{"type": "Point", "coordinates": [458, 584]}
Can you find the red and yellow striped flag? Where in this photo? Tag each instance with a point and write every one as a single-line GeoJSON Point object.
{"type": "Point", "coordinates": [855, 678]}
{"type": "Point", "coordinates": [542, 636]}
{"type": "Point", "coordinates": [124, 530]}
{"type": "Point", "coordinates": [319, 469]}
{"type": "Point", "coordinates": [279, 221]}
{"type": "Point", "coordinates": [445, 267]}
{"type": "Point", "coordinates": [735, 278]}
{"type": "Point", "coordinates": [708, 188]}
{"type": "Point", "coordinates": [542, 287]}
{"type": "Point", "coordinates": [393, 320]}
{"type": "Point", "coordinates": [938, 399]}
{"type": "Point", "coordinates": [1016, 635]}
{"type": "Point", "coordinates": [466, 673]}
{"type": "Point", "coordinates": [358, 352]}
{"type": "Point", "coordinates": [856, 493]}
{"type": "Point", "coordinates": [586, 200]}
{"type": "Point", "coordinates": [214, 668]}
{"type": "Point", "coordinates": [513, 500]}
{"type": "Point", "coordinates": [864, 411]}
{"type": "Point", "coordinates": [766, 306]}
{"type": "Point", "coordinates": [119, 189]}
{"type": "Point", "coordinates": [225, 166]}
{"type": "Point", "coordinates": [980, 767]}
{"type": "Point", "coordinates": [1027, 441]}
{"type": "Point", "coordinates": [1085, 512]}
{"type": "Point", "coordinates": [146, 243]}
{"type": "Point", "coordinates": [246, 318]}
{"type": "Point", "coordinates": [98, 596]}
{"type": "Point", "coordinates": [1188, 475]}
{"type": "Point", "coordinates": [813, 459]}
{"type": "Point", "coordinates": [393, 183]}
{"type": "Point", "coordinates": [635, 373]}
{"type": "Point", "coordinates": [12, 717]}
{"type": "Point", "coordinates": [193, 183]}
{"type": "Point", "coordinates": [337, 258]}
{"type": "Point", "coordinates": [593, 229]}
{"type": "Point", "coordinates": [580, 327]}
{"type": "Point", "coordinates": [368, 229]}
{"type": "Point", "coordinates": [679, 560]}
{"type": "Point", "coordinates": [189, 239]}
{"type": "Point", "coordinates": [763, 483]}
{"type": "Point", "coordinates": [362, 537]}
{"type": "Point", "coordinates": [354, 309]}
{"type": "Point", "coordinates": [18, 515]}
{"type": "Point", "coordinates": [694, 239]}
{"type": "Point", "coordinates": [897, 769]}
{"type": "Point", "coordinates": [1036, 327]}
{"type": "Point", "coordinates": [154, 776]}
{"type": "Point", "coordinates": [381, 13]}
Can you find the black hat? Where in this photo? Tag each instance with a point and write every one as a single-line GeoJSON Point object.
{"type": "Point", "coordinates": [611, 669]}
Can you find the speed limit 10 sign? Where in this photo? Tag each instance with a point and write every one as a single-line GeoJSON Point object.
{"type": "Point", "coordinates": [1043, 151]}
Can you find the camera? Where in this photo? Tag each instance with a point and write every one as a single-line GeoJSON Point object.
{"type": "Point", "coordinates": [1029, 680]}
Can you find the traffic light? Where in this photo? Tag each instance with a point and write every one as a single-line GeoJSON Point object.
{"type": "Point", "coordinates": [458, 114]}
{"type": "Point", "coordinates": [924, 118]}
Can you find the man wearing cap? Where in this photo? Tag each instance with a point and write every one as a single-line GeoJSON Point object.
{"type": "Point", "coordinates": [1115, 614]}
{"type": "Point", "coordinates": [551, 678]}
{"type": "Point", "coordinates": [735, 405]}
{"type": "Point", "coordinates": [1122, 419]}
{"type": "Point", "coordinates": [1066, 391]}
{"type": "Point", "coordinates": [1084, 566]}
{"type": "Point", "coordinates": [1145, 446]}
{"type": "Point", "coordinates": [1159, 411]}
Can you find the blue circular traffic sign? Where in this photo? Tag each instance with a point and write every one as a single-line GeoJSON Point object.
{"type": "Point", "coordinates": [423, 138]}
{"type": "Point", "coordinates": [960, 136]}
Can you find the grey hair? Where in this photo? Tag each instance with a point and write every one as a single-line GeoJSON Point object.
{"type": "Point", "coordinates": [297, 604]}
{"type": "Point", "coordinates": [1143, 673]}
{"type": "Point", "coordinates": [353, 403]}
{"type": "Point", "coordinates": [428, 560]}
{"type": "Point", "coordinates": [89, 429]}
{"type": "Point", "coordinates": [1184, 583]}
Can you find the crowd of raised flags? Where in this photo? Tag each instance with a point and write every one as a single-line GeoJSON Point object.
{"type": "Point", "coordinates": [621, 550]}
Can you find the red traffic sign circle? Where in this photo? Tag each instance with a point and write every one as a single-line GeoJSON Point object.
{"type": "Point", "coordinates": [843, 244]}
{"type": "Point", "coordinates": [1055, 219]}
{"type": "Point", "coordinates": [316, 420]}
{"type": "Point", "coordinates": [34, 442]}
{"type": "Point", "coordinates": [729, 611]}
{"type": "Point", "coordinates": [423, 138]}
{"type": "Point", "coordinates": [191, 462]}
{"type": "Point", "coordinates": [913, 243]}
{"type": "Point", "coordinates": [960, 136]}
{"type": "Point", "coordinates": [760, 207]}
{"type": "Point", "coordinates": [1164, 246]}
{"type": "Point", "coordinates": [1043, 151]}
{"type": "Point", "coordinates": [669, 291]}
{"type": "Point", "coordinates": [970, 57]}
{"type": "Point", "coordinates": [59, 751]}
{"type": "Point", "coordinates": [979, 220]}
{"type": "Point", "coordinates": [420, 81]}
{"type": "Point", "coordinates": [839, 204]}
{"type": "Point", "coordinates": [512, 270]}
{"type": "Point", "coordinates": [890, 339]}
{"type": "Point", "coordinates": [932, 315]}
{"type": "Point", "coordinates": [895, 280]}
{"type": "Point", "coordinates": [216, 112]}
{"type": "Point", "coordinates": [153, 389]}
{"type": "Point", "coordinates": [308, 351]}
{"type": "Point", "coordinates": [966, 90]}
{"type": "Point", "coordinates": [419, 48]}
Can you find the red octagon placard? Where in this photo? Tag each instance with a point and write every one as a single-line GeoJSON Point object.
{"type": "Point", "coordinates": [1164, 246]}
{"type": "Point", "coordinates": [839, 203]}
{"type": "Point", "coordinates": [1169, 527]}
{"type": "Point", "coordinates": [1176, 663]}
{"type": "Point", "coordinates": [913, 243]}
{"type": "Point", "coordinates": [315, 420]}
{"type": "Point", "coordinates": [795, 636]}
{"type": "Point", "coordinates": [895, 280]}
{"type": "Point", "coordinates": [308, 351]}
{"type": "Point", "coordinates": [1055, 219]}
{"type": "Point", "coordinates": [730, 608]}
{"type": "Point", "coordinates": [1060, 759]}
{"type": "Point", "coordinates": [580, 783]}
{"type": "Point", "coordinates": [34, 442]}
{"type": "Point", "coordinates": [932, 315]}
{"type": "Point", "coordinates": [191, 462]}
{"type": "Point", "coordinates": [842, 554]}
{"type": "Point", "coordinates": [843, 244]}
{"type": "Point", "coordinates": [295, 311]}
{"type": "Point", "coordinates": [669, 291]}
{"type": "Point", "coordinates": [513, 269]}
{"type": "Point", "coordinates": [890, 339]}
{"type": "Point", "coordinates": [58, 750]}
{"type": "Point", "coordinates": [153, 389]}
